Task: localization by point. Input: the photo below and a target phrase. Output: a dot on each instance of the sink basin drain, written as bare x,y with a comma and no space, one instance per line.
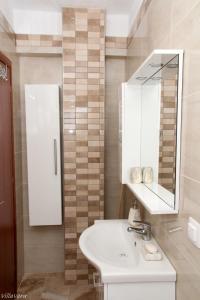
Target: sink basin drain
123,255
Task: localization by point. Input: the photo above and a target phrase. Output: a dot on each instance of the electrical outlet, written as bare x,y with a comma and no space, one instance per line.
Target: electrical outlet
194,231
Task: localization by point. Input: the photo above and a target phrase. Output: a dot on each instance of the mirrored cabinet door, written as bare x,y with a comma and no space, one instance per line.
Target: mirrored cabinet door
159,95
151,130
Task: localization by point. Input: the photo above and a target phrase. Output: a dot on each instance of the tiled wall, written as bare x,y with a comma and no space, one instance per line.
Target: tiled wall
116,46
7,46
175,25
137,47
39,240
167,149
35,43
83,112
138,20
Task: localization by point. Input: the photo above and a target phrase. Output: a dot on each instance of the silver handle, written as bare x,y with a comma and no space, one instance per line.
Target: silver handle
55,157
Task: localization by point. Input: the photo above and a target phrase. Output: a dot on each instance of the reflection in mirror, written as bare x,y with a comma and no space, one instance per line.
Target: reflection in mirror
159,130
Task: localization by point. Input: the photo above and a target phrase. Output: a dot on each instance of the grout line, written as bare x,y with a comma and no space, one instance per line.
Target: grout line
190,178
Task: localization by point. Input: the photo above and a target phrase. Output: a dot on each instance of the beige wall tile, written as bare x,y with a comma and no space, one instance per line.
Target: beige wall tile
190,137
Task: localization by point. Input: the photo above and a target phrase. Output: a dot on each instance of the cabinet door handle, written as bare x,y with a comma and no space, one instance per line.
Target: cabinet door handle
55,157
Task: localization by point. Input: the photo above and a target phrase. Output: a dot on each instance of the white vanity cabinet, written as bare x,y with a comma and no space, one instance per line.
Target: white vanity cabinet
135,290
140,291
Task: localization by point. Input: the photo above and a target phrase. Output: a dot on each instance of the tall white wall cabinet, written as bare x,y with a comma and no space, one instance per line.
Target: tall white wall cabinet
43,154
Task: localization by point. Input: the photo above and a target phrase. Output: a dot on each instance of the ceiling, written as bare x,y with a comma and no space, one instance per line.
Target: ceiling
111,6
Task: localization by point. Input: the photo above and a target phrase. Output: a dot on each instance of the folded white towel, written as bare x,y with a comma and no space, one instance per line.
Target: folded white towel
136,175
147,175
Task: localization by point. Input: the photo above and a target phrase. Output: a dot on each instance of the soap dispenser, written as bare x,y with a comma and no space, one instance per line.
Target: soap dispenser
134,214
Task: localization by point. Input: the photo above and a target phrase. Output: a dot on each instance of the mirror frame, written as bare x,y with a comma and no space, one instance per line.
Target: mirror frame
131,93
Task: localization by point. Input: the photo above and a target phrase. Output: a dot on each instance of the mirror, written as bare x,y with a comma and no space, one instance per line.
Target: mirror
150,132
159,111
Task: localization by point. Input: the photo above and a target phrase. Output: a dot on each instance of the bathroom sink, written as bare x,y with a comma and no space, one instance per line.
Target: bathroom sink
117,254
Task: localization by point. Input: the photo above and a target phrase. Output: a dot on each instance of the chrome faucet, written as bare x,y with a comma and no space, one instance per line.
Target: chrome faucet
143,228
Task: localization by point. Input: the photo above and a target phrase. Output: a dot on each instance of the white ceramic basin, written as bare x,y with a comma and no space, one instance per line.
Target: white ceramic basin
117,254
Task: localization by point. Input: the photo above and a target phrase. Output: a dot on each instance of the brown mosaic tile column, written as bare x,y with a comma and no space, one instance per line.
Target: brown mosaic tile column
83,111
